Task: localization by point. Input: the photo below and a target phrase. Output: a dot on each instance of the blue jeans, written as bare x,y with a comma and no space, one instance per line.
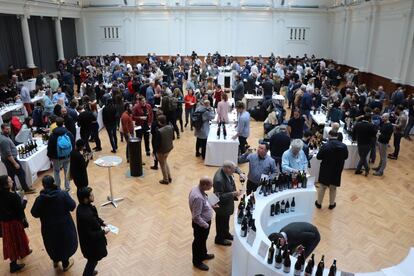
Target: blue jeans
57,165
189,112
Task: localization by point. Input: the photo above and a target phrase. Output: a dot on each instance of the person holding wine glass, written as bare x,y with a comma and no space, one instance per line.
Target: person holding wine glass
225,189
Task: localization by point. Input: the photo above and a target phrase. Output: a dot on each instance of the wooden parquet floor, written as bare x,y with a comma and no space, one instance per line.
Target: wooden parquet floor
371,228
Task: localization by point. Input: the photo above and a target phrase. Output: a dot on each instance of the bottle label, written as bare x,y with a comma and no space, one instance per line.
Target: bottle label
292,209
278,265
286,269
297,272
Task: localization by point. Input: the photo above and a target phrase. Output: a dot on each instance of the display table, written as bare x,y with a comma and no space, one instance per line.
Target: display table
318,118
246,259
220,150
100,123
37,162
36,99
29,84
252,100
10,108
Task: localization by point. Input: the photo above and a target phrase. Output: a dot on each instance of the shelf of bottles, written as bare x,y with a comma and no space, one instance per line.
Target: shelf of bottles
28,149
279,200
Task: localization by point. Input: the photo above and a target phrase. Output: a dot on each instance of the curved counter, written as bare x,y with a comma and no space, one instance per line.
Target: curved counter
247,261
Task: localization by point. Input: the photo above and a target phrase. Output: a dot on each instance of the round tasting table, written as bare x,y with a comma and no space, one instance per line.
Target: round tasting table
109,162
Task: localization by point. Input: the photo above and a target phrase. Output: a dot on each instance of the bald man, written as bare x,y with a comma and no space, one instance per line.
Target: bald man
201,212
335,127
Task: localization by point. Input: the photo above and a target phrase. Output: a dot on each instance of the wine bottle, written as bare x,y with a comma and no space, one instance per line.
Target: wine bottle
272,210
240,214
292,205
253,227
298,267
332,270
282,207
244,228
243,200
253,199
309,267
277,208
300,180
321,266
302,262
270,253
286,263
305,181
273,185
287,206
279,259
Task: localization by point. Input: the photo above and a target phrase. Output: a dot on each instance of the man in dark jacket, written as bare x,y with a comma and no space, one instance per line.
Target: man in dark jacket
384,138
69,122
60,157
298,235
333,155
364,133
267,86
279,143
92,230
53,207
78,165
238,91
225,189
109,119
85,121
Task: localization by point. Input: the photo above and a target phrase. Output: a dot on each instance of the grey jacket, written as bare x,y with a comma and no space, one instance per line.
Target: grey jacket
223,187
238,91
208,115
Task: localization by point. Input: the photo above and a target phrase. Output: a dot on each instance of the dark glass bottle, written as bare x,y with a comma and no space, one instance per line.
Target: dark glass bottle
287,206
272,210
286,263
305,181
277,208
293,205
240,213
244,228
282,207
270,253
309,267
279,258
298,267
332,270
321,266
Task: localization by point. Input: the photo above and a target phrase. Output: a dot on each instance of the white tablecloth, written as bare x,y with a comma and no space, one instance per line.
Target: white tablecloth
10,108
29,84
220,150
318,118
252,100
245,258
33,164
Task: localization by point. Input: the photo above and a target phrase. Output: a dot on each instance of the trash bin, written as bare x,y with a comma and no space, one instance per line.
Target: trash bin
135,156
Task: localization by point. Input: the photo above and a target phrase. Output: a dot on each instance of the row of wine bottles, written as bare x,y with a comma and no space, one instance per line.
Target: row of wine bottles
282,181
282,261
282,207
27,150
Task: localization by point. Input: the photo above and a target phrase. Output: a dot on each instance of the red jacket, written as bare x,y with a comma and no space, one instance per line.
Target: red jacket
127,123
130,87
139,111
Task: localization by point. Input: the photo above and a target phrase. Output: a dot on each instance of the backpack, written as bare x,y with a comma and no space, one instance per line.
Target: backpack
64,146
172,104
197,119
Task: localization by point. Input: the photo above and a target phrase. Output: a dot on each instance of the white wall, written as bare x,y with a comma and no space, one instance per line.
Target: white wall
376,37
235,31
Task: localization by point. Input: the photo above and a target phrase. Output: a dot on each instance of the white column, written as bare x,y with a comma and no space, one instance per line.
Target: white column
26,42
59,41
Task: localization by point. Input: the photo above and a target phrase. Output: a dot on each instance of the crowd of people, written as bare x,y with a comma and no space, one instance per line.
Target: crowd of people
153,96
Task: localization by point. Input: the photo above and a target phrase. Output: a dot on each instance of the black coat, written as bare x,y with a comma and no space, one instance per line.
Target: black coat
300,233
52,143
53,207
224,187
91,236
333,155
78,169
